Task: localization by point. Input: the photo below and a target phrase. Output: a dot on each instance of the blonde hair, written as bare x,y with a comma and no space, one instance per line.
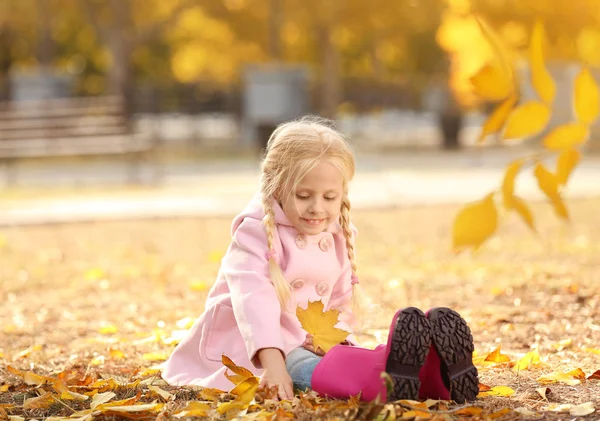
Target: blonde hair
293,149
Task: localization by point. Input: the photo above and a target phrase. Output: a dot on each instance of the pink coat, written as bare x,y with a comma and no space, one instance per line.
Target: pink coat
242,313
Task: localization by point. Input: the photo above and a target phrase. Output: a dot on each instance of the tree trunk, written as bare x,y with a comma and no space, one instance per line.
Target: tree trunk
120,74
331,86
46,47
6,62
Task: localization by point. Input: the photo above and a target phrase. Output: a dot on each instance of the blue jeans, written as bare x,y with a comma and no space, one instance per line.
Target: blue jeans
301,363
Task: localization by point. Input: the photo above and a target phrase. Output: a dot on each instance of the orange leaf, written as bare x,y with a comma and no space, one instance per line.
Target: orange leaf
595,375
497,357
242,373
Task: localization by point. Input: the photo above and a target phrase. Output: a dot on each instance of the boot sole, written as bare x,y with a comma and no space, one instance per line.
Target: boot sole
453,342
411,340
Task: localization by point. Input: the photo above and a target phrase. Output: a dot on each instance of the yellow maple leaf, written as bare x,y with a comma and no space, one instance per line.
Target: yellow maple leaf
497,357
240,375
497,391
530,359
321,324
571,378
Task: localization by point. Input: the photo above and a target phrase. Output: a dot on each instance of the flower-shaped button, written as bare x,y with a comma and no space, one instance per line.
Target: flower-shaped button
301,241
324,244
322,288
297,283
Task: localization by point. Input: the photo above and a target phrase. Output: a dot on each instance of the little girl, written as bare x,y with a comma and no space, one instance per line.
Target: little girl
294,243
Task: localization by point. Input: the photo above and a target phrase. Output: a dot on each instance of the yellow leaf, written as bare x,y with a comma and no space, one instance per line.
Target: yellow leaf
321,324
4,388
549,185
241,388
527,120
154,356
497,357
472,410
571,378
540,77
208,394
504,391
523,210
496,120
215,256
193,409
475,223
94,274
108,329
199,286
508,183
162,393
566,136
65,393
115,354
26,352
491,83
240,403
148,407
567,161
585,97
41,402
499,414
101,398
494,40
241,373
528,360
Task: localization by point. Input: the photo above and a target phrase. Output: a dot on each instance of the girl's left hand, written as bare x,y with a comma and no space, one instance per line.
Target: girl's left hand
308,344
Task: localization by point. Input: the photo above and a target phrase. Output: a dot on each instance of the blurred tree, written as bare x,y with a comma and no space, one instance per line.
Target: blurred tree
124,25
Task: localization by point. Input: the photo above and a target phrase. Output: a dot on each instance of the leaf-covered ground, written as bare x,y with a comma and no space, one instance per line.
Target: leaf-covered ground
96,307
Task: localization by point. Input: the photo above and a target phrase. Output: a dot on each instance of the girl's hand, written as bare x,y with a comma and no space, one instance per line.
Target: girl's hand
308,345
280,378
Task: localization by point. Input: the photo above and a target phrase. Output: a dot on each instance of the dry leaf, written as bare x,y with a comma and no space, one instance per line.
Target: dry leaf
40,402
527,120
101,398
585,97
498,391
583,409
115,354
241,373
540,77
497,357
492,83
525,411
595,375
474,224
566,136
499,414
571,378
471,411
543,392
567,161
162,393
154,356
528,360
193,409
321,324
144,407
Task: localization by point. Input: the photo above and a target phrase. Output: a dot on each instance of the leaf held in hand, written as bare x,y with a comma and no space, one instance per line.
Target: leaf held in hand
321,324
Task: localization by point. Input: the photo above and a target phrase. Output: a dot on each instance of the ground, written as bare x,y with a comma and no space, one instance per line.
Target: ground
110,299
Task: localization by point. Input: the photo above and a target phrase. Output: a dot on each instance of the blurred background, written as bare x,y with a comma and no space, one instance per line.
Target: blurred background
158,81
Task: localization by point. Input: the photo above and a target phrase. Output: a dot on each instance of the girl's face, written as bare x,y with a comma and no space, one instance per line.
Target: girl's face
317,201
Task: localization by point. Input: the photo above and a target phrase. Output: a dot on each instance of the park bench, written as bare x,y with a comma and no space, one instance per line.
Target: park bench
72,127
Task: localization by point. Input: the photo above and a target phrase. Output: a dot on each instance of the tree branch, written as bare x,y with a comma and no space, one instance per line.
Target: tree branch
152,30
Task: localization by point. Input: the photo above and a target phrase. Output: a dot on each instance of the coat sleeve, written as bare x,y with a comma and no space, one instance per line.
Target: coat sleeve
255,304
341,296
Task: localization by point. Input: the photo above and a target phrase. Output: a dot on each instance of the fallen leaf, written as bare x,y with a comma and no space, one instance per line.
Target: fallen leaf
595,375
504,391
500,413
209,394
543,392
321,324
497,357
530,359
101,398
241,373
25,353
147,407
115,354
162,393
582,410
199,286
108,329
571,378
483,387
525,411
472,410
40,402
193,409
154,356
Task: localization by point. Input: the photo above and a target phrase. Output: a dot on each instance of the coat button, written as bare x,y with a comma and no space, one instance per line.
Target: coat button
297,283
301,241
324,244
322,288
